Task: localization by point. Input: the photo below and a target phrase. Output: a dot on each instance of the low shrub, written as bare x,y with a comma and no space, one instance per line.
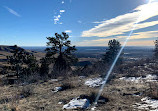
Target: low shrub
92,97
66,86
26,92
153,91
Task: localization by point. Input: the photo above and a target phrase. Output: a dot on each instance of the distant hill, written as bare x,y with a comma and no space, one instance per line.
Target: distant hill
8,48
6,51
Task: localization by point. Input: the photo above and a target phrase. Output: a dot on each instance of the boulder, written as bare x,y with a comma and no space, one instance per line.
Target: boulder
77,103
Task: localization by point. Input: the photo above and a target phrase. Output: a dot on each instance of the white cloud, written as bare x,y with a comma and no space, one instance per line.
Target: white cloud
98,42
79,21
135,37
142,35
12,11
59,16
62,2
98,22
124,23
56,19
62,11
68,31
141,43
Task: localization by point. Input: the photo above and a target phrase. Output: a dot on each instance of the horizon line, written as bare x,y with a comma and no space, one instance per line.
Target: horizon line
82,46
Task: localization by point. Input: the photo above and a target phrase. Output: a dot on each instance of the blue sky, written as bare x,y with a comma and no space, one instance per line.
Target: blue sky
88,22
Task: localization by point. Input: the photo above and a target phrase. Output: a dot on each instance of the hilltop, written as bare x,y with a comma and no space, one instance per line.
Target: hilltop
6,51
9,48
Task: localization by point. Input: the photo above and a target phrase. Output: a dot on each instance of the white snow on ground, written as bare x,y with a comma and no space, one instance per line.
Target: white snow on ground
151,77
54,80
131,79
82,77
60,102
147,104
93,108
148,78
94,82
77,104
56,89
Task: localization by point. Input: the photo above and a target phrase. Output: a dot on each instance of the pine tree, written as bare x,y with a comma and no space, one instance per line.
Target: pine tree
16,60
22,62
60,50
31,63
112,51
44,69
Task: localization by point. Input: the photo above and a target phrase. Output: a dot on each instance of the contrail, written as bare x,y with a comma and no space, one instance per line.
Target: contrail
115,60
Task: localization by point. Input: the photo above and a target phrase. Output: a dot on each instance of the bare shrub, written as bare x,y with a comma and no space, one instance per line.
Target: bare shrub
66,86
26,92
6,108
153,91
5,100
92,96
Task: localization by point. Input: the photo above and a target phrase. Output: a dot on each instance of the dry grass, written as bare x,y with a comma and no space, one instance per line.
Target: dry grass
43,99
40,97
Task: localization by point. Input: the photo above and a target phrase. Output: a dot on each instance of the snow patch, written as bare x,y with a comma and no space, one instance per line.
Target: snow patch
77,104
94,82
82,77
147,104
148,78
54,80
56,89
131,79
151,77
60,102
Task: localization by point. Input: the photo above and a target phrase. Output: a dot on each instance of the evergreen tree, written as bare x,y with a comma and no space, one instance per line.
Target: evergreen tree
60,50
22,62
16,60
44,69
31,63
112,51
